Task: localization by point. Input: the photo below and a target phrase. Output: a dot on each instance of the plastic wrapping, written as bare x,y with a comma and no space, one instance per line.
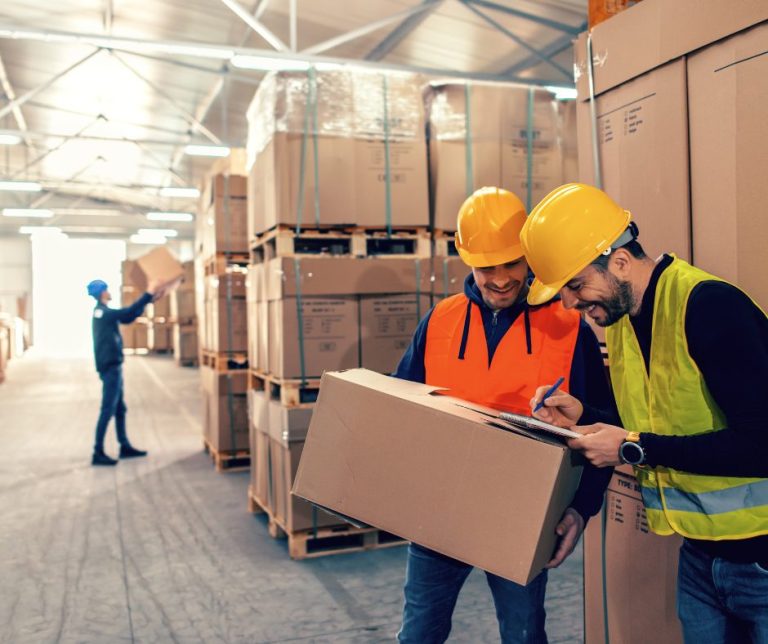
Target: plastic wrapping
358,103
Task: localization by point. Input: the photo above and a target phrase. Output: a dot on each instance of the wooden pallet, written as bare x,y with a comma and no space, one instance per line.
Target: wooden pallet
219,263
443,243
290,392
224,361
323,542
229,461
349,241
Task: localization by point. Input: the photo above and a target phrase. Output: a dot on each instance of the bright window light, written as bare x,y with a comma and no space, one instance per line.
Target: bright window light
46,230
563,93
20,186
207,150
165,232
41,213
148,239
171,191
9,139
267,63
170,216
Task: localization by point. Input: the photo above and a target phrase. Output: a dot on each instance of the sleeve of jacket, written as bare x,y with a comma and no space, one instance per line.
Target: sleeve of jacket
128,314
589,383
411,365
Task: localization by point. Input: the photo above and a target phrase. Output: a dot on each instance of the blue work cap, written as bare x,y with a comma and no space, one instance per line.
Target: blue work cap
96,288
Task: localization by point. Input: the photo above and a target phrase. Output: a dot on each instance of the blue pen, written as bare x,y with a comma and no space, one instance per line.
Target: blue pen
550,391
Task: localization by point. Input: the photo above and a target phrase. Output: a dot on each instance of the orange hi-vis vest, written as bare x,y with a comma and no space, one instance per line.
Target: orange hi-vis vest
536,350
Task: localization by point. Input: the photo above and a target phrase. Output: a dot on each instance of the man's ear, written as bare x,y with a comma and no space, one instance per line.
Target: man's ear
620,263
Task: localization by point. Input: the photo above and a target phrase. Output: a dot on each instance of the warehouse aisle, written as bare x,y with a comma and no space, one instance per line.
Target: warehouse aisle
162,549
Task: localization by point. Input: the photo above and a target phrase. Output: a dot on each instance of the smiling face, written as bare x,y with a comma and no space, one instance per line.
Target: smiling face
600,294
501,285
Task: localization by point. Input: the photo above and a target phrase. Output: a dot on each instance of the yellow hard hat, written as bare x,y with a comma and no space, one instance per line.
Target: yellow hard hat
488,228
572,226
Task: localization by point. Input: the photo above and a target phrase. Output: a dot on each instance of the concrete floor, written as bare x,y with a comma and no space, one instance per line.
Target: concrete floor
162,549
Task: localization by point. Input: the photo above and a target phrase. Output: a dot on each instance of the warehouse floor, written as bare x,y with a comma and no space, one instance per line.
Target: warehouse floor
162,549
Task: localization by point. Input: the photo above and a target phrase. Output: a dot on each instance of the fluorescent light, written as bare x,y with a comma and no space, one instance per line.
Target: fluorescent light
9,139
41,213
563,93
170,216
148,239
165,232
207,150
20,186
171,191
268,63
48,230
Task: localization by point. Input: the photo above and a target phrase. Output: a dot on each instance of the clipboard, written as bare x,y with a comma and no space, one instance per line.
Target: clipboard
536,425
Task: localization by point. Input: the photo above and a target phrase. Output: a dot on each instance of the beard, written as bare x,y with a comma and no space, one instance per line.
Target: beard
619,303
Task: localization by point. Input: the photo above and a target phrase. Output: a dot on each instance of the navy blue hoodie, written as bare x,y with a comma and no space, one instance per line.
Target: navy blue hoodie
107,341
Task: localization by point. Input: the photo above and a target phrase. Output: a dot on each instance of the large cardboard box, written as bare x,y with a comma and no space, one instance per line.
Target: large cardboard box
141,334
188,281
158,265
160,336
728,96
127,268
225,409
337,147
258,318
478,135
185,346
258,417
183,305
437,471
128,295
127,332
448,275
630,567
226,324
160,309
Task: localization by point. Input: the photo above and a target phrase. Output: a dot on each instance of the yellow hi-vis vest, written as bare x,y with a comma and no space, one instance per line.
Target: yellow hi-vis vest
672,398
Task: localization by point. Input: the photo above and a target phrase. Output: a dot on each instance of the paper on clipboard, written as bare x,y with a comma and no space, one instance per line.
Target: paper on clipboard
534,424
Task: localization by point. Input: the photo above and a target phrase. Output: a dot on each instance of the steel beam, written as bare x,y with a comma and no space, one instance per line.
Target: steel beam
254,24
402,31
550,51
19,101
214,71
341,39
18,116
499,27
547,22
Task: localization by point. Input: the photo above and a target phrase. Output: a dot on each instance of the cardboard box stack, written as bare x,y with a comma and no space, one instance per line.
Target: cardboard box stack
218,276
136,335
184,319
160,327
681,141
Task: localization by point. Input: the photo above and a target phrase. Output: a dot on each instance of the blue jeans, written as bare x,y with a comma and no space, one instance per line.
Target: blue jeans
432,586
720,602
112,404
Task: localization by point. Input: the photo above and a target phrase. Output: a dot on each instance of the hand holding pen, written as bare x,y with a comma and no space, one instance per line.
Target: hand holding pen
556,407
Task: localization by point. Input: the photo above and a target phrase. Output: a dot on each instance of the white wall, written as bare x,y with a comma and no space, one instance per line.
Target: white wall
15,273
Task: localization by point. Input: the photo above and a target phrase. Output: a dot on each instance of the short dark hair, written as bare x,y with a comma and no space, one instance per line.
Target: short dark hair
634,248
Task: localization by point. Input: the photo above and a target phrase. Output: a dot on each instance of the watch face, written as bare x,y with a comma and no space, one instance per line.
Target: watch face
631,453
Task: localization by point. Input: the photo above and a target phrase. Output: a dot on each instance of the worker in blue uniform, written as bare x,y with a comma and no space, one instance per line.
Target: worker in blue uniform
108,351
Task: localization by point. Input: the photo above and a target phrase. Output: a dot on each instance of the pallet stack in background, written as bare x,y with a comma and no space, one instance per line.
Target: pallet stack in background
136,335
221,249
679,132
184,320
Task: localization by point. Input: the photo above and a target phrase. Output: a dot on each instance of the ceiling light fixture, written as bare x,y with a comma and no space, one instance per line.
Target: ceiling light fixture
20,186
267,63
171,191
40,213
165,232
170,216
148,239
9,139
206,150
32,230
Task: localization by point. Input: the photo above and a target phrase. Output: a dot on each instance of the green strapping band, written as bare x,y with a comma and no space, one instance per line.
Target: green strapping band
311,107
300,320
468,166
529,160
387,170
313,93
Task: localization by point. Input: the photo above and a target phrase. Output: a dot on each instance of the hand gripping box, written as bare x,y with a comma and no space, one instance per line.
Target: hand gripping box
438,471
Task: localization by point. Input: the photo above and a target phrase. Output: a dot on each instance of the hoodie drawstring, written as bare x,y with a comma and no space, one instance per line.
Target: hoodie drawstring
527,317
465,334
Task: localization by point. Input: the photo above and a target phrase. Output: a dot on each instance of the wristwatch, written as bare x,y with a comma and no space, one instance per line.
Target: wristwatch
631,451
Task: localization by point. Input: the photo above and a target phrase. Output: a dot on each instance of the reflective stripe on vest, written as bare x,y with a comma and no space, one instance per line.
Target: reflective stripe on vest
672,398
456,355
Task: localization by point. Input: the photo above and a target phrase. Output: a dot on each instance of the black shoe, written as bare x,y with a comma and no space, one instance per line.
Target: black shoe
129,451
100,458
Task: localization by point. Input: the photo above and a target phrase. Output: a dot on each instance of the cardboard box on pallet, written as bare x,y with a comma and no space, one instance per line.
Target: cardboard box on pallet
448,274
359,160
225,431
258,418
623,560
226,324
381,450
257,316
127,268
140,334
185,346
160,309
160,336
183,305
728,94
127,333
326,296
128,295
478,134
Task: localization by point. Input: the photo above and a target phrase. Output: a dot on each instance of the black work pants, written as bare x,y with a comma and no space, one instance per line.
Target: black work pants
112,404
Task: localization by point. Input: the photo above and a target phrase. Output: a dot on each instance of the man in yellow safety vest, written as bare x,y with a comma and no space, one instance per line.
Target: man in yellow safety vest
689,367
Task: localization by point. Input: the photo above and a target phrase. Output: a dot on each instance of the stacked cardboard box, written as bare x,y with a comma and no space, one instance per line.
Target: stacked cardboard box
184,319
490,134
225,410
337,148
680,135
136,336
